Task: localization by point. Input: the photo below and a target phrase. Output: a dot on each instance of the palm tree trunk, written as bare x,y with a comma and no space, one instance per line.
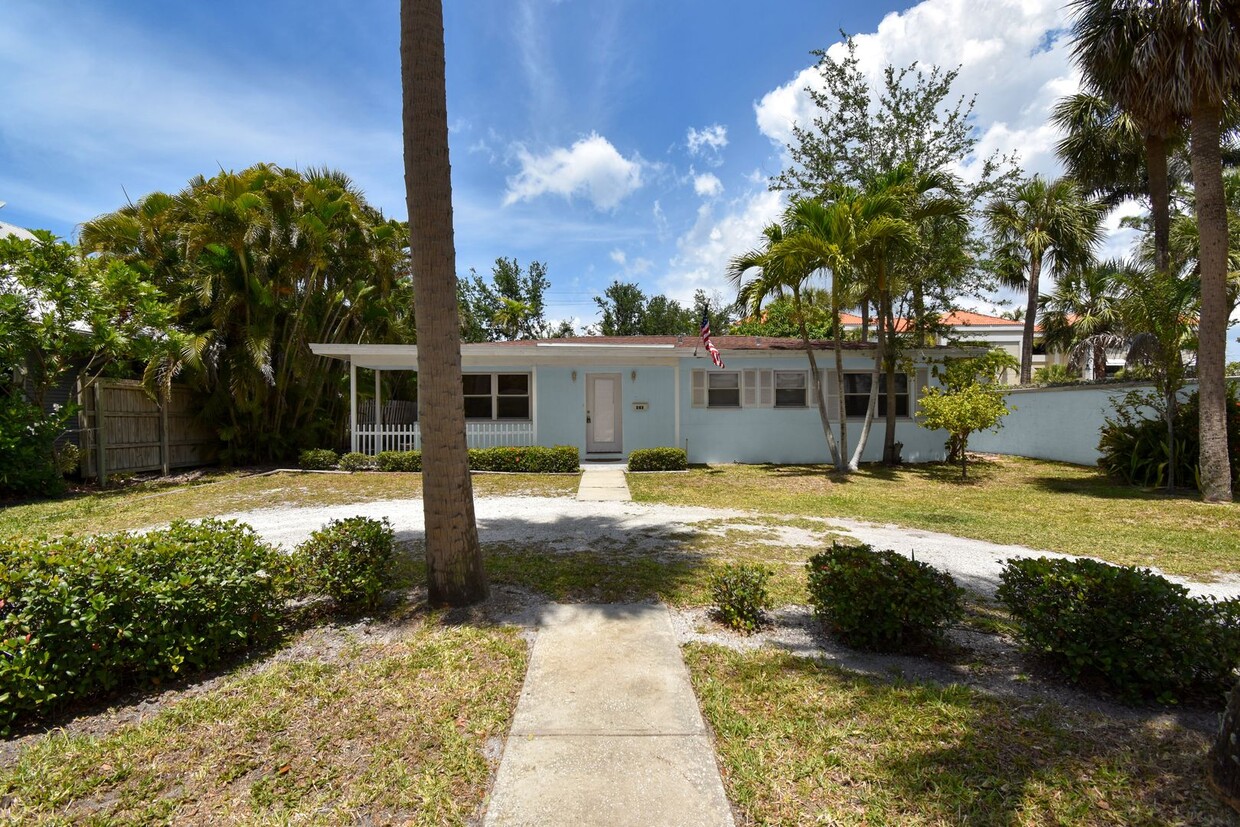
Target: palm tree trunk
889,366
840,465
1031,311
454,567
1170,405
1212,332
813,368
1160,199
870,407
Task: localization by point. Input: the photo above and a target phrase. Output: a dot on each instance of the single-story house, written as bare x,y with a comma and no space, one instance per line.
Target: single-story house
611,395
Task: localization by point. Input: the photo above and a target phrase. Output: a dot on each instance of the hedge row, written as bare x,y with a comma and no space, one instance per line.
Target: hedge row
87,616
658,459
534,459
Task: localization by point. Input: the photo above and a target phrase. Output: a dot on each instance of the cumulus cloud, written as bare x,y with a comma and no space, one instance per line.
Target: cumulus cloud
591,167
703,253
707,185
708,143
1010,52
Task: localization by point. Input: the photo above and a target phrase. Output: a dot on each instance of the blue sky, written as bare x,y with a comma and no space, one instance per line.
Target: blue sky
627,139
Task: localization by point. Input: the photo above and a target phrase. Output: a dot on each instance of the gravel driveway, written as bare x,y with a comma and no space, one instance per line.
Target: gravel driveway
566,525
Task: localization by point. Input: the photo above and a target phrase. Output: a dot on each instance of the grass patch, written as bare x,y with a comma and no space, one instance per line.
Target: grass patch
800,742
390,732
1044,505
155,503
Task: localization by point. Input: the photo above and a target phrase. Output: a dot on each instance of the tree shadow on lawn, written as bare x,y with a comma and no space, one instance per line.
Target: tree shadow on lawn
951,755
595,558
1105,489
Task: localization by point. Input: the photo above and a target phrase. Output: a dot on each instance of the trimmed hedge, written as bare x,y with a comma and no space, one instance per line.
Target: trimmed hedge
399,461
658,459
349,559
562,459
356,461
317,459
533,459
1138,634
89,616
882,600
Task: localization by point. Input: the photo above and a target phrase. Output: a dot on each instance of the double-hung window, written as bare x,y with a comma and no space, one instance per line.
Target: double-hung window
857,394
490,396
791,388
723,389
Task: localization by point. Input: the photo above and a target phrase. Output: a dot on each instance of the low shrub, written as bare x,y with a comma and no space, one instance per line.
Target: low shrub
409,461
658,459
1137,634
882,600
356,461
317,459
89,616
740,595
532,459
1134,447
349,559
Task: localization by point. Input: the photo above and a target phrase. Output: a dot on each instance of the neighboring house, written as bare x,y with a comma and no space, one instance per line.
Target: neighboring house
990,331
610,395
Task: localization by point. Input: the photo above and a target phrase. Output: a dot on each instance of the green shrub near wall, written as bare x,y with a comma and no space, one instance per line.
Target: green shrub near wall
1138,634
658,459
90,616
882,600
317,459
534,459
356,461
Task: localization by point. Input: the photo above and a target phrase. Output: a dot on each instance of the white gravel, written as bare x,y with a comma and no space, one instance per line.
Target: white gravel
567,525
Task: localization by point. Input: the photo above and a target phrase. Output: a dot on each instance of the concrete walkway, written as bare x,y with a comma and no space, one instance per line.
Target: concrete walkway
604,483
607,731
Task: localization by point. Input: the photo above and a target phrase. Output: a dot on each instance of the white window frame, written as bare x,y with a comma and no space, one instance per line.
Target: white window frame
495,395
878,412
805,389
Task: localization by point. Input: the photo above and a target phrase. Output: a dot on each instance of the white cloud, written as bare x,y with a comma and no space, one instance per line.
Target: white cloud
708,143
707,185
703,253
618,256
1010,52
591,167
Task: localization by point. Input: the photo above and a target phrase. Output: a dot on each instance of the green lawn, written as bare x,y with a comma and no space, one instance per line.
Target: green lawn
803,743
1044,505
406,728
150,504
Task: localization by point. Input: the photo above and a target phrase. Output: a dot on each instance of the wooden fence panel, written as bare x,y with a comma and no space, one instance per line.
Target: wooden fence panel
134,434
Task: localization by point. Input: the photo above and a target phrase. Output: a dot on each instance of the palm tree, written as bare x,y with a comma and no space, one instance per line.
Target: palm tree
1082,316
779,275
1042,219
454,567
1166,61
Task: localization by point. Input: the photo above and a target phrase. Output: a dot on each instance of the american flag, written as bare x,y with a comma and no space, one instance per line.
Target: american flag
710,346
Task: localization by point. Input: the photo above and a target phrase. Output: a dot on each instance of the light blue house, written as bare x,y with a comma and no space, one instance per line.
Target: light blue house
611,395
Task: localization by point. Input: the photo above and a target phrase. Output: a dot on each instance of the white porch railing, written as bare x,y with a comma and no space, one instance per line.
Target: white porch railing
409,437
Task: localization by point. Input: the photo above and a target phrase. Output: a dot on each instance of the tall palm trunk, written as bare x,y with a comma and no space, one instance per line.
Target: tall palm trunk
1212,332
817,379
890,456
1160,198
454,571
1031,311
839,376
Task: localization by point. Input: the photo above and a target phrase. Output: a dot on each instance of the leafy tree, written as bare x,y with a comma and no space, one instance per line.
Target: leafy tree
562,330
511,306
623,307
454,568
1165,62
777,320
976,406
1043,222
1082,316
256,265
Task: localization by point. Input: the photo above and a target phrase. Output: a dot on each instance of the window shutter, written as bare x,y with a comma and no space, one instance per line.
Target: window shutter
766,388
749,388
699,388
922,381
832,394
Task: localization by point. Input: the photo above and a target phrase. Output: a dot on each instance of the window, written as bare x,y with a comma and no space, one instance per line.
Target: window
496,395
790,388
723,389
857,395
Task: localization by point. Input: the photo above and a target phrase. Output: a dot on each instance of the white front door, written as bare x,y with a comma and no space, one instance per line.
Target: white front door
603,413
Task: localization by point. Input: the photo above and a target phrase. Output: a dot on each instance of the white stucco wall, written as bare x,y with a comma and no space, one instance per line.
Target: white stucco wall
1061,424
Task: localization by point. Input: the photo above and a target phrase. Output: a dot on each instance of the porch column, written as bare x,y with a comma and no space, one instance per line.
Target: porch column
378,414
534,404
676,402
352,405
